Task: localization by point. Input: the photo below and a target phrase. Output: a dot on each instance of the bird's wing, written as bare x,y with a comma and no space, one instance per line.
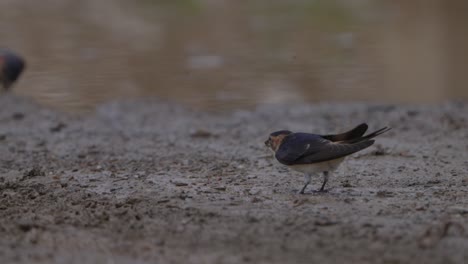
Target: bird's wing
352,134
296,145
333,151
302,148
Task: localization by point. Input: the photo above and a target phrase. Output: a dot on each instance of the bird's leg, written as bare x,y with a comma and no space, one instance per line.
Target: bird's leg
307,178
325,180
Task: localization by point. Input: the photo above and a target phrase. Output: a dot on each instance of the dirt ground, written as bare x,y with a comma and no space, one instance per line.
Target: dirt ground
146,181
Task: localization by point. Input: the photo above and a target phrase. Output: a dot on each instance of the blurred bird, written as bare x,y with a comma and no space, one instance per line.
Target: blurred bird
11,67
312,154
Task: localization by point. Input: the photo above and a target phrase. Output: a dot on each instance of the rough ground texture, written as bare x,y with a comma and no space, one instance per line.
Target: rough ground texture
152,182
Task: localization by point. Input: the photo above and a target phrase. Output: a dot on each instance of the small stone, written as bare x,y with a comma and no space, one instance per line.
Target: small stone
17,116
201,133
256,200
384,194
179,183
34,172
325,222
58,127
346,184
420,208
26,226
412,113
433,182
254,191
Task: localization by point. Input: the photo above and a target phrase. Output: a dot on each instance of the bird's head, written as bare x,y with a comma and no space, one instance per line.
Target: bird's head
11,67
276,138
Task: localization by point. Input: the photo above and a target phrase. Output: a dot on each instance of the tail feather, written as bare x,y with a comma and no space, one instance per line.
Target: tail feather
354,133
370,136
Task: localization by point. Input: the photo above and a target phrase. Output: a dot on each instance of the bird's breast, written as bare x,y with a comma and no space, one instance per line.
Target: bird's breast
329,165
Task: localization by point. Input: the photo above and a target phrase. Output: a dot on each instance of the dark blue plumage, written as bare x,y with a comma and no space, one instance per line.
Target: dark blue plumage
303,148
11,67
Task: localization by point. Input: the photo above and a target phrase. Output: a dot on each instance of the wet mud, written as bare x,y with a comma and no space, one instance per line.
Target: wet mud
146,181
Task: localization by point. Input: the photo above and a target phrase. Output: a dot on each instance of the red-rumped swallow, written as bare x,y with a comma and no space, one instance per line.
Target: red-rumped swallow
312,154
11,67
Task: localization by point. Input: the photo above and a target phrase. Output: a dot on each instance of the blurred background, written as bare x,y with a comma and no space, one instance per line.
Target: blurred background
220,55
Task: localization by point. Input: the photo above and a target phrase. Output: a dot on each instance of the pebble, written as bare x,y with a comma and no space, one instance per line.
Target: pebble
179,183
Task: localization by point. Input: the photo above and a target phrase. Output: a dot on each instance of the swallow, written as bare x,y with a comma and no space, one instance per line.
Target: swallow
11,67
312,154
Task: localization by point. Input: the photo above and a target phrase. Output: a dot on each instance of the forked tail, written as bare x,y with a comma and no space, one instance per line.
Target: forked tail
370,136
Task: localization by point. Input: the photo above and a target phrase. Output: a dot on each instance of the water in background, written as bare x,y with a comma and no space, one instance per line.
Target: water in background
221,55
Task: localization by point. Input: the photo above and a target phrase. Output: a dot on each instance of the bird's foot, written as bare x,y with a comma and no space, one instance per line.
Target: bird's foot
320,191
297,191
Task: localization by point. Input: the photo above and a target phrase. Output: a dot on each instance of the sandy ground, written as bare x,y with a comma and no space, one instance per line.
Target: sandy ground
152,182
